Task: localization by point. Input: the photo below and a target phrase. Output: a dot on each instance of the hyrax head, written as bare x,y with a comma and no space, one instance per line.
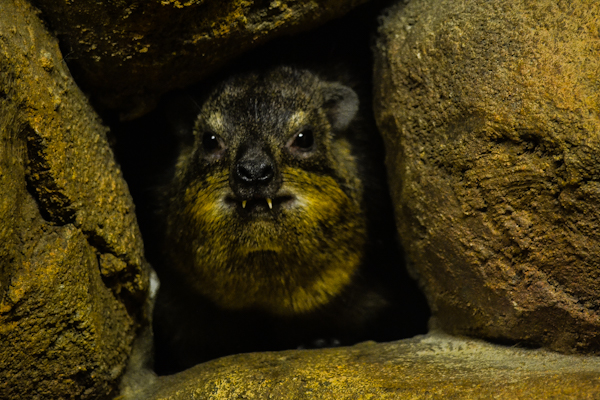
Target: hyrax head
265,210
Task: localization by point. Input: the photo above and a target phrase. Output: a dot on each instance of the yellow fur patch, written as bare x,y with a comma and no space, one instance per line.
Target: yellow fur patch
288,262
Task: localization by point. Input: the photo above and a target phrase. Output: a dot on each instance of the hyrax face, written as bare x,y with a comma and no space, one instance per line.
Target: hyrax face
265,207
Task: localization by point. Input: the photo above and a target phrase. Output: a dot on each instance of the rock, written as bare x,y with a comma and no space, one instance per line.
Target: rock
73,279
129,53
490,113
424,367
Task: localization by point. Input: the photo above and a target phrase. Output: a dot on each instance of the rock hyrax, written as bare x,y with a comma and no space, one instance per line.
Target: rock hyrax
266,222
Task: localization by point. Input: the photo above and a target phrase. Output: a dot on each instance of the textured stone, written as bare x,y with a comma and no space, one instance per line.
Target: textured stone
425,367
73,279
490,112
129,53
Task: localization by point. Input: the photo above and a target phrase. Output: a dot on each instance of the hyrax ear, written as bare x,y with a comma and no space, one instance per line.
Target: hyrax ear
341,104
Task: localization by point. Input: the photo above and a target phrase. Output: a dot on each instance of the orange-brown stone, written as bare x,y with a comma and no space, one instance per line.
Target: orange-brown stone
490,112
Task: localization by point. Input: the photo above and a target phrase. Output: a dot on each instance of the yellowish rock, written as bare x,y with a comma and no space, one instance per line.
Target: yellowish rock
434,366
129,53
490,115
73,279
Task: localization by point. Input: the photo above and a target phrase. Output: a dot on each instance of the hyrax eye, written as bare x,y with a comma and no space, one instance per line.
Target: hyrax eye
304,141
212,143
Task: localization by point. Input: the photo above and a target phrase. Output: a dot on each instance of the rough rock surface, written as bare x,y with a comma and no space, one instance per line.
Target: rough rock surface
73,280
491,115
426,367
129,53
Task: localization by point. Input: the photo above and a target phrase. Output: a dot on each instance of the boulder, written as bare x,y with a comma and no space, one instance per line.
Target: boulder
73,279
433,366
126,54
491,116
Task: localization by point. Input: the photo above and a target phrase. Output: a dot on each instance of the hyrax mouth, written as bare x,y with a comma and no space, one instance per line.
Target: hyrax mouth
260,204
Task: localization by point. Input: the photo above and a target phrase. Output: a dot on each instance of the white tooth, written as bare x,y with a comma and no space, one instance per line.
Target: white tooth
244,203
270,203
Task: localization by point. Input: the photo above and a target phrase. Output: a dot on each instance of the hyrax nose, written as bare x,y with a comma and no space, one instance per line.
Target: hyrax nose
255,171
